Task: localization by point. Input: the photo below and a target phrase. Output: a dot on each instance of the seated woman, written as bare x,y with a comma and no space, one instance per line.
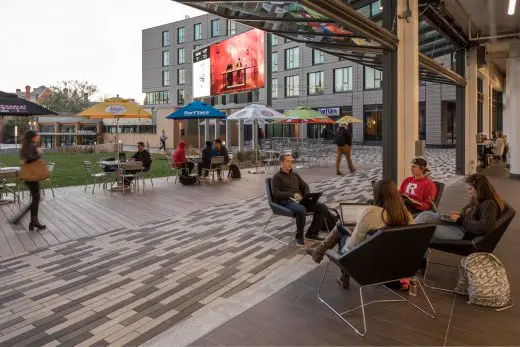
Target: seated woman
179,160
477,218
388,210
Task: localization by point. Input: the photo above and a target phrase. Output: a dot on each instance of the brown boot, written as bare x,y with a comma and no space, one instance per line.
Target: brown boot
331,241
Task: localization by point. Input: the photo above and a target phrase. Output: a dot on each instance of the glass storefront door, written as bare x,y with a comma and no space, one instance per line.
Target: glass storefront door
373,123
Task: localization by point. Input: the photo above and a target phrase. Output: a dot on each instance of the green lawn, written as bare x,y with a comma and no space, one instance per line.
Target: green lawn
69,170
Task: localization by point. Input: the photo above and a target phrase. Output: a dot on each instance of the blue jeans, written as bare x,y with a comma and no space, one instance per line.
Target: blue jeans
445,230
300,213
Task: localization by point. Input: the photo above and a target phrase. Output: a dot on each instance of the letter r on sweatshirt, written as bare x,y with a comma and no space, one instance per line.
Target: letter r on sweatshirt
410,189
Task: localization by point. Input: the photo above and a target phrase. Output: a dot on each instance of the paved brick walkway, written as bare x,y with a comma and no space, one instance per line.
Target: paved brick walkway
134,282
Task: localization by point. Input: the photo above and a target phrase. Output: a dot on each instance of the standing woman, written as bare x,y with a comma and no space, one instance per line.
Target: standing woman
29,155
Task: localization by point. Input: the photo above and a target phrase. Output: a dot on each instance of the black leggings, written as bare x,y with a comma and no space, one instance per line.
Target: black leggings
34,188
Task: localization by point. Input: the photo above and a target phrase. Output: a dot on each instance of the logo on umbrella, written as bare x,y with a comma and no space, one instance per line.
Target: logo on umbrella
115,109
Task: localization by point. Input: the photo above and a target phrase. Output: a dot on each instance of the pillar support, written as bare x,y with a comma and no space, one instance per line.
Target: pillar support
400,89
471,113
460,109
513,108
486,114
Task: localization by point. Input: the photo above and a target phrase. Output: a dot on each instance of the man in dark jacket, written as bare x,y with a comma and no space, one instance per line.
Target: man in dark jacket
344,143
288,189
221,151
143,155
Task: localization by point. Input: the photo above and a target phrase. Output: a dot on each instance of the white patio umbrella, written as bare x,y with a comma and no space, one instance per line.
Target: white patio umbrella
255,113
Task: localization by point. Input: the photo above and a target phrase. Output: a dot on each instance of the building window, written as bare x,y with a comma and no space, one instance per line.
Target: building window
215,28
157,98
232,27
373,78
181,38
165,38
166,78
343,80
275,88
197,31
373,122
292,86
181,56
318,57
196,47
315,83
166,58
275,61
274,41
292,58
181,76
180,97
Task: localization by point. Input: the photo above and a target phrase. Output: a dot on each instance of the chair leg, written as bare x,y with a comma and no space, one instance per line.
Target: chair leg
94,185
428,262
363,304
52,190
270,236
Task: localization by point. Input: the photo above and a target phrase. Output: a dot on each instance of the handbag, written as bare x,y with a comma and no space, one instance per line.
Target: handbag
35,171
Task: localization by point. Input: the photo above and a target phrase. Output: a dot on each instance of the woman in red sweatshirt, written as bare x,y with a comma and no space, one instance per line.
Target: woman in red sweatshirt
418,190
179,158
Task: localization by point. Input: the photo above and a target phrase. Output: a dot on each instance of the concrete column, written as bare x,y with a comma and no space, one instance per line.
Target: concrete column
513,108
57,129
471,113
228,134
206,131
407,86
241,136
486,104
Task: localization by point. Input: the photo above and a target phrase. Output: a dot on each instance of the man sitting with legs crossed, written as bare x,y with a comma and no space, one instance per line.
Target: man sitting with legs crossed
288,185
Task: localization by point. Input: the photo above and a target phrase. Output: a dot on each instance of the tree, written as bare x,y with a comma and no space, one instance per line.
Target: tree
70,96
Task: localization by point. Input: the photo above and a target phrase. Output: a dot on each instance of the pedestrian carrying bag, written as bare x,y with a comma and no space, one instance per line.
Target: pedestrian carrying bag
234,171
484,279
35,171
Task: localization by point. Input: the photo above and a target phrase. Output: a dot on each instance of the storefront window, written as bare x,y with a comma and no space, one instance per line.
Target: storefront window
47,140
373,119
67,140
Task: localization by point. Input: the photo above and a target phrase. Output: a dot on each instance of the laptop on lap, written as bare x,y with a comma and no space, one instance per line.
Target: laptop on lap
309,199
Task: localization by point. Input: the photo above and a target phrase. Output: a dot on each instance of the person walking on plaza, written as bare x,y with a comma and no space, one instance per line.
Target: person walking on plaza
288,189
163,141
344,143
30,155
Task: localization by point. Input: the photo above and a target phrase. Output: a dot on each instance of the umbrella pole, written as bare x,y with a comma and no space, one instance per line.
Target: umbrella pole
255,148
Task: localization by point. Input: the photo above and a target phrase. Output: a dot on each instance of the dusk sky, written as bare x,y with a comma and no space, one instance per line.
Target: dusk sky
99,41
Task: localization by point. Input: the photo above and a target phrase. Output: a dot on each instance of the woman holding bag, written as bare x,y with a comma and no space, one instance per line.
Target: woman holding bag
34,170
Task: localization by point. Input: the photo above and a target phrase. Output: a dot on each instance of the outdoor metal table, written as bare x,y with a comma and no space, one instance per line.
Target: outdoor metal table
118,178
5,173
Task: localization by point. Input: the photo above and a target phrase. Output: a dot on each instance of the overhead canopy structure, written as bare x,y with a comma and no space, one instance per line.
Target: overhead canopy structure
349,29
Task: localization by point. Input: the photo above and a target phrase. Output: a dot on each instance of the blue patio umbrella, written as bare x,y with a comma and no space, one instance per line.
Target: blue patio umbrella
197,110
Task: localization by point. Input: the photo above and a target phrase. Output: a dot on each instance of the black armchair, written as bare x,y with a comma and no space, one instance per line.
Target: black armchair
440,189
389,255
278,210
469,244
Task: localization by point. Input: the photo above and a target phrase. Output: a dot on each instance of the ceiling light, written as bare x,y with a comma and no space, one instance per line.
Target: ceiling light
511,9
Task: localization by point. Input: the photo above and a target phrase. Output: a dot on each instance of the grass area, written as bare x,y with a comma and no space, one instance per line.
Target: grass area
70,171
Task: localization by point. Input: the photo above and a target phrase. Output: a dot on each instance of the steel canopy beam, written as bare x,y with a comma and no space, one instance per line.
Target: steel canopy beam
435,67
345,15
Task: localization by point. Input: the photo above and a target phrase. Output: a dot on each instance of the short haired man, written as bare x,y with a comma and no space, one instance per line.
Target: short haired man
419,187
143,156
287,185
221,151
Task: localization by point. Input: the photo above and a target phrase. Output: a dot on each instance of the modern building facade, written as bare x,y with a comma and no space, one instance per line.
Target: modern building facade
301,76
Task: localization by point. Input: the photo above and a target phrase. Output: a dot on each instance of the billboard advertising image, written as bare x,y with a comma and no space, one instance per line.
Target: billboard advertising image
201,73
237,63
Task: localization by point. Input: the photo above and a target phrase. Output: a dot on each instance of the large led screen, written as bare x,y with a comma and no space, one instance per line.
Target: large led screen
237,63
201,73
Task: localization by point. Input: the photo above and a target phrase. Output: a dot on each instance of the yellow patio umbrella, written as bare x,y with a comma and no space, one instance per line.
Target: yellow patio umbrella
348,119
116,108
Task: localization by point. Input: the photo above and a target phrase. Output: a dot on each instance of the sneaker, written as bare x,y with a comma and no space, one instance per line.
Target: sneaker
314,237
300,242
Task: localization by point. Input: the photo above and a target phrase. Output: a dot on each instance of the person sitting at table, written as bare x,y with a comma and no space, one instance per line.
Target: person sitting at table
418,190
288,189
388,210
179,160
207,154
477,218
143,156
221,151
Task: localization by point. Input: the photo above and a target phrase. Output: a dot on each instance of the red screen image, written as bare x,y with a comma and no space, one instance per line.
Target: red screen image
237,64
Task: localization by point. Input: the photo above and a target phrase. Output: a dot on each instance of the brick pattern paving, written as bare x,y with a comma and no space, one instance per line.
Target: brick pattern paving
130,284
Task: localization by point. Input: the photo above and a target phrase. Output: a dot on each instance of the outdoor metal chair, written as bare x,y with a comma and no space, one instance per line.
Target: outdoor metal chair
92,176
49,181
216,164
144,175
9,183
389,255
133,170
